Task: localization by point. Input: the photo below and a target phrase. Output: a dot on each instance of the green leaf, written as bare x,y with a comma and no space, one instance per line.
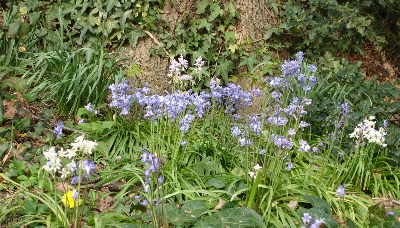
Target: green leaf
109,26
218,183
194,208
201,6
13,28
22,178
230,8
176,216
377,215
215,12
134,35
233,217
82,111
223,68
24,29
350,223
203,23
249,62
30,207
112,3
317,202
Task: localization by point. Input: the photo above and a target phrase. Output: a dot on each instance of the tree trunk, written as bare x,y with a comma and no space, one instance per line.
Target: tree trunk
255,16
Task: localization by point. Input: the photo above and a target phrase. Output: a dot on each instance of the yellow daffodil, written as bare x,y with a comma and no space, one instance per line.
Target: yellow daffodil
71,199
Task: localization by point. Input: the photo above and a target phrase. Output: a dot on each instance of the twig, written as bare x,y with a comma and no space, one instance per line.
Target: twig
156,41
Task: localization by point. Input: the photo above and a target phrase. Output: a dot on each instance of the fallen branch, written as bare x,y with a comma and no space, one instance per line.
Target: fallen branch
156,41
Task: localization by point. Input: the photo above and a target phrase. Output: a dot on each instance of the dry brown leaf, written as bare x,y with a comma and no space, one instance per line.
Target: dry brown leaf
292,204
63,187
10,112
105,204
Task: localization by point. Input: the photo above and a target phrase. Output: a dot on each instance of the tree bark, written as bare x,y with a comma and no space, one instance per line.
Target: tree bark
255,16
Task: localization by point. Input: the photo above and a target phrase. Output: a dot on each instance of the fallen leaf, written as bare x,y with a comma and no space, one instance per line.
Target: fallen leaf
10,112
63,187
105,204
292,204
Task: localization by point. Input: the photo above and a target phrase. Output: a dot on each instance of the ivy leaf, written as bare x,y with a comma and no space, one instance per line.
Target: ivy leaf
223,68
230,8
134,35
109,26
194,208
215,12
201,6
203,23
269,31
232,47
112,3
249,62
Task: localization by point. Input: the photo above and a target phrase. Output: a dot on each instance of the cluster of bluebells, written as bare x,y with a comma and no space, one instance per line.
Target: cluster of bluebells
292,71
281,114
281,141
153,167
366,130
153,170
188,104
309,222
79,147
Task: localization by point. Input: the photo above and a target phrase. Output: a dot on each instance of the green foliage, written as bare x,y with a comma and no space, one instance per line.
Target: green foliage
75,78
318,26
320,209
192,212
379,218
42,59
343,81
84,22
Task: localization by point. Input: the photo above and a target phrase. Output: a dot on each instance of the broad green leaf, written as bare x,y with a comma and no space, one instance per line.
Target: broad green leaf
203,23
194,208
218,183
201,6
249,62
233,217
112,3
176,216
223,68
215,12
13,28
109,26
230,8
318,202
